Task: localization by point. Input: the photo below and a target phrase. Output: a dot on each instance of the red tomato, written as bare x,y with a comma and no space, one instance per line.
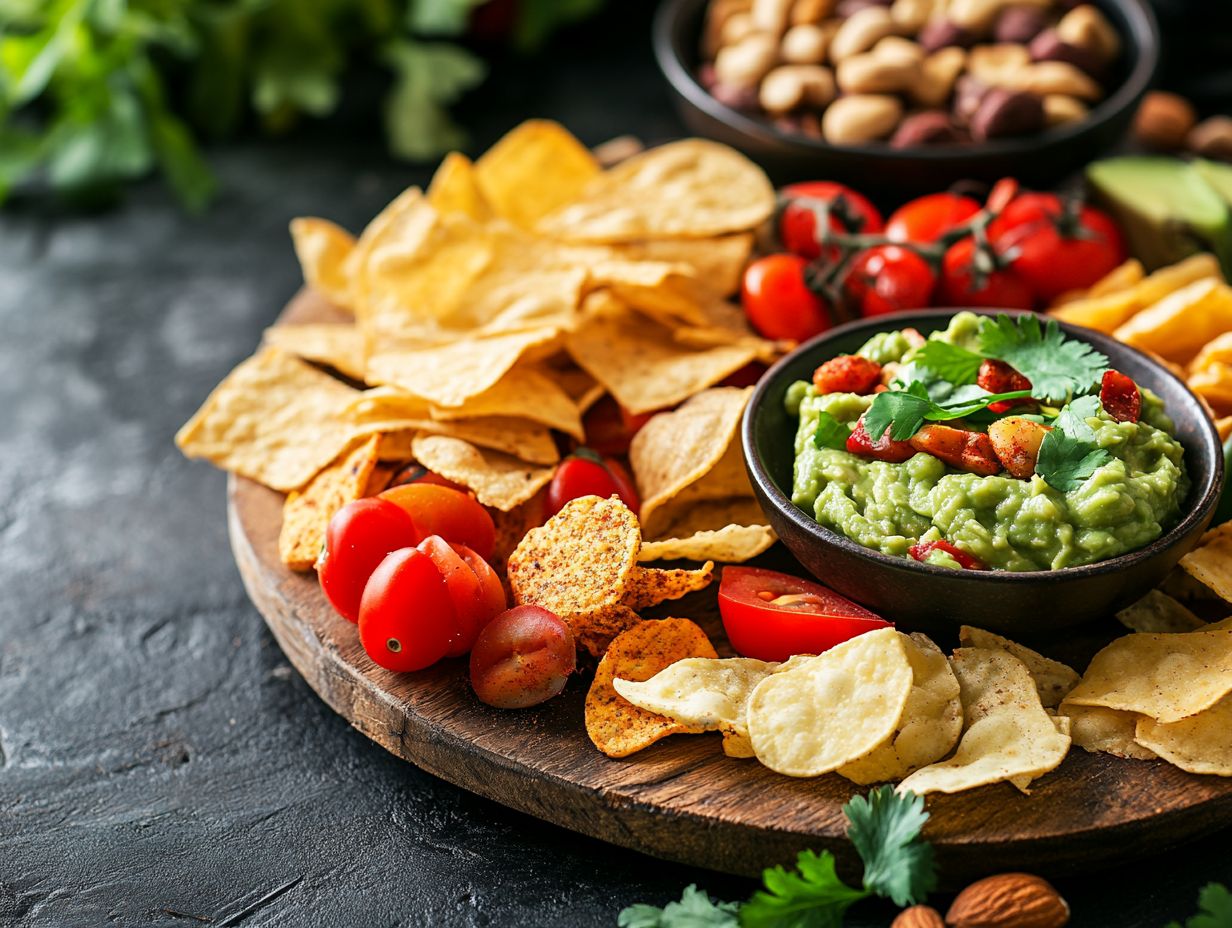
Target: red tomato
929,217
417,473
848,373
359,536
452,514
1002,192
779,303
1120,397
489,583
522,658
963,285
472,609
1057,246
999,377
406,618
609,427
888,279
849,212
585,473
884,448
771,616
967,561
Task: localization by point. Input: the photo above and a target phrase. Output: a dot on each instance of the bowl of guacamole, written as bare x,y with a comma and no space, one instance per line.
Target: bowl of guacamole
994,469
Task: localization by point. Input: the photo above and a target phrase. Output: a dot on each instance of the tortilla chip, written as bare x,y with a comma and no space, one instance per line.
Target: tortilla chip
617,727
1214,384
1182,322
731,544
1120,278
1107,311
455,189
1199,744
338,346
689,189
1108,731
323,249
717,263
526,392
649,586
306,513
1052,678
497,480
536,168
1223,425
380,477
274,419
1211,562
668,292
1217,351
1159,613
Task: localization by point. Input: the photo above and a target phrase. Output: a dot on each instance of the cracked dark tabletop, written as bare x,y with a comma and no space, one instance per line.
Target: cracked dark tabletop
160,761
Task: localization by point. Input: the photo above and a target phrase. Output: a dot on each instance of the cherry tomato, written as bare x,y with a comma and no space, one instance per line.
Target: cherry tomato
964,286
406,617
849,212
471,605
1002,192
417,473
884,448
999,377
888,279
452,514
1120,397
771,616
848,373
585,473
609,427
359,536
966,561
1057,246
489,583
929,217
522,658
779,303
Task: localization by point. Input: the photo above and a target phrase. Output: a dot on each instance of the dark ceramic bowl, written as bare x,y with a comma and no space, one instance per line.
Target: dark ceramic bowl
921,595
886,173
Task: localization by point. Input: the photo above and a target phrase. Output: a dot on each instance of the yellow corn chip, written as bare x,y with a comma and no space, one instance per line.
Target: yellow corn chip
649,586
379,479
306,513
617,727
1214,384
1108,311
526,392
717,263
1109,731
498,480
1217,351
323,249
731,544
1182,322
1211,562
454,188
1052,678
338,346
1159,613
534,169
1122,277
1199,744
1224,427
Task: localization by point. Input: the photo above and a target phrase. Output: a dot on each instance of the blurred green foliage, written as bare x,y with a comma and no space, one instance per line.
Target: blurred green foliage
96,93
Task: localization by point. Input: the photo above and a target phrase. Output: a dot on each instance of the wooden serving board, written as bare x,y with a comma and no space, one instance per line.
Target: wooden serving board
683,799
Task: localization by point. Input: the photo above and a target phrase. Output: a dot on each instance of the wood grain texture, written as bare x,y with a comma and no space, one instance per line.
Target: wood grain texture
683,799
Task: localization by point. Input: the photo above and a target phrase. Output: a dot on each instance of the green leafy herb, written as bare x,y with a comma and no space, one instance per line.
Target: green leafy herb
694,910
1068,455
812,897
903,412
885,828
1058,367
830,432
1214,909
949,362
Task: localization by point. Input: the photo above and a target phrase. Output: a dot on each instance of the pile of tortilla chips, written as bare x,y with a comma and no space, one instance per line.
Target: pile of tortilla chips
1181,314
477,322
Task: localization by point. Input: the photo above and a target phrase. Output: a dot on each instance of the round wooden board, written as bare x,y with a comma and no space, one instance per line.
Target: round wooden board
683,799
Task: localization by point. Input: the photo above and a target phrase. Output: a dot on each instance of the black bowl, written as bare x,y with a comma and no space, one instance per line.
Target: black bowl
885,173
939,599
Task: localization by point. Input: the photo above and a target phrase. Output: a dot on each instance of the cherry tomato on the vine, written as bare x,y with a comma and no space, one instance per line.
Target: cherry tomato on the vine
585,473
849,212
452,514
406,617
359,536
889,279
927,218
778,302
523,657
965,285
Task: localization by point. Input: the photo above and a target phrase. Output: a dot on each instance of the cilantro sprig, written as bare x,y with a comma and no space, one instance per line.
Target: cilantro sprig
949,362
1068,455
885,829
1214,909
1058,367
904,412
830,432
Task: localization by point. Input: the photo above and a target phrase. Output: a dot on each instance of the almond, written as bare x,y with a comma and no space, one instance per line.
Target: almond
1010,900
918,916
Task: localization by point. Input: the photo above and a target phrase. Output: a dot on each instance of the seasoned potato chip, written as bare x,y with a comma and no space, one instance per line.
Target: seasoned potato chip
731,544
1107,311
1182,322
338,346
274,419
717,263
649,586
526,392
931,723
1166,677
1007,735
1211,562
1199,744
454,188
306,513
833,708
535,168
617,727
498,480
1110,731
1158,613
1052,678
323,249
688,189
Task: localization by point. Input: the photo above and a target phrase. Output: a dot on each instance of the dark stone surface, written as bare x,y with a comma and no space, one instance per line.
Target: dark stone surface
160,762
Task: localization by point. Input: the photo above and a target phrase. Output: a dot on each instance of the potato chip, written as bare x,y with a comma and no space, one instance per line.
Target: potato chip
274,419
534,169
498,480
455,189
1199,744
717,263
1052,678
931,723
579,562
1182,322
1108,731
738,744
731,544
526,392
833,708
617,727
1159,613
688,189
1108,311
1007,735
649,586
323,249
1167,677
338,346
1214,384
1211,562
306,513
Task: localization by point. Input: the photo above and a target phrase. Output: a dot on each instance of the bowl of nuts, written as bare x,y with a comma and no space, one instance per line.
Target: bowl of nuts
905,96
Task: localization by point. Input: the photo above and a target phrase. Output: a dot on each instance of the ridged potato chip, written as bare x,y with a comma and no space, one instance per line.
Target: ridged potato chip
616,726
833,708
323,249
497,480
1110,731
1052,678
1201,743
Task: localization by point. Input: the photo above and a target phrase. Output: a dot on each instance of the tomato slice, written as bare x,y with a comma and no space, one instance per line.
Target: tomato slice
771,616
438,510
406,618
966,561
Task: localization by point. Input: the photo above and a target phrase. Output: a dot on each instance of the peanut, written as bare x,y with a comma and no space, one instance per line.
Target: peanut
942,33
1019,24
793,85
911,15
997,65
1088,28
899,51
1060,109
1049,77
738,27
1049,46
810,12
746,63
718,14
1164,120
938,72
1212,138
771,16
1004,112
861,32
868,73
930,127
804,44
860,118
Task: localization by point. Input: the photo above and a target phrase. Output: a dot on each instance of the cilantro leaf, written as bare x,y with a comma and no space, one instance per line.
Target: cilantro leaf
812,898
1068,455
830,432
1214,909
885,829
949,362
1058,367
694,910
903,412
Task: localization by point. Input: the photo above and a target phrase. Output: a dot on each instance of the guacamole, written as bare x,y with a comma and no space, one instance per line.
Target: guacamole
1006,522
